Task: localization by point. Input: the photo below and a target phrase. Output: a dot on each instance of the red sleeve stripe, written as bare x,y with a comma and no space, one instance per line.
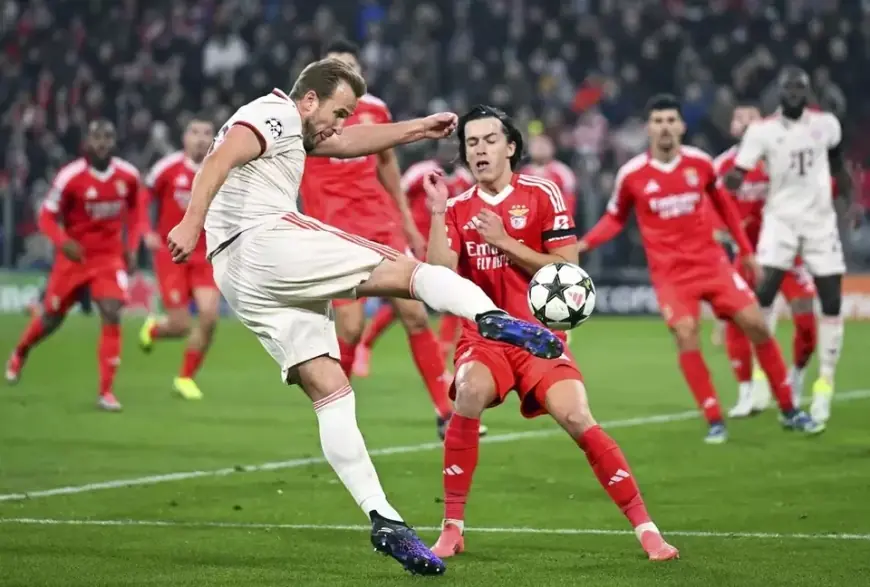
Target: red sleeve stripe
256,132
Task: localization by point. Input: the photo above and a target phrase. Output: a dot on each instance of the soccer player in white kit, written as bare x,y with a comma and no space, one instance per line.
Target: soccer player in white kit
802,149
279,269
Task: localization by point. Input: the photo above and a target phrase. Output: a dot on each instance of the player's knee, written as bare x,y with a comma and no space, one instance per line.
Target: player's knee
751,321
349,322
801,306
414,317
179,322
50,321
473,396
687,335
319,378
568,405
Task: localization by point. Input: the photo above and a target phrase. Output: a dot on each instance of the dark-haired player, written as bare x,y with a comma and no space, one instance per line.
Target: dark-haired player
364,197
168,185
797,287
668,187
802,149
279,270
498,234
84,214
458,179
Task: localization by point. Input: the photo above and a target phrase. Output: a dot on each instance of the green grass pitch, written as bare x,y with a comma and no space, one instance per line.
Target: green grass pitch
767,508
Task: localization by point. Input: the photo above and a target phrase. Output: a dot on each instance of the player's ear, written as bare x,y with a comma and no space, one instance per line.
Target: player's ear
310,101
511,149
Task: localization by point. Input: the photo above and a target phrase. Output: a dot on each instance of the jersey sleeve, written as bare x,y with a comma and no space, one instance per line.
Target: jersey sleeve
274,123
557,228
621,199
832,130
751,149
454,239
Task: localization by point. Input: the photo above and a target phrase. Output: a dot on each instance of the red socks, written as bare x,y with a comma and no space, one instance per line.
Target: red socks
609,465
433,370
461,445
805,337
449,330
109,354
348,352
771,361
191,363
698,377
32,335
739,352
377,325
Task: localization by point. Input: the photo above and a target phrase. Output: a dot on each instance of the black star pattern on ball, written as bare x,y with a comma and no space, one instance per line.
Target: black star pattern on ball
556,289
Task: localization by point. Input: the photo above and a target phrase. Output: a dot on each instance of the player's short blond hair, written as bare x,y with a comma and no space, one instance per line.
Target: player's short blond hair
324,76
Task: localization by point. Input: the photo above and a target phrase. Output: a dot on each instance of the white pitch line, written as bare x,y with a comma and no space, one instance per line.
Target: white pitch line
473,530
394,450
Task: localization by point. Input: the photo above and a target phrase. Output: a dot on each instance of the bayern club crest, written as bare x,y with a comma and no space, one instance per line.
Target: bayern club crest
519,216
691,176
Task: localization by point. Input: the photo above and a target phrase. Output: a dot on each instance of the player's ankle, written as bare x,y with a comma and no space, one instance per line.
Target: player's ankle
649,526
460,524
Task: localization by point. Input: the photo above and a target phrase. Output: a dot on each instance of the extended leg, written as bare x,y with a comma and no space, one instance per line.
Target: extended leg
830,289
109,351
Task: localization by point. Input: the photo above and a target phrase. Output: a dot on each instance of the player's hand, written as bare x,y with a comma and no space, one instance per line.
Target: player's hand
72,251
491,228
437,193
582,248
753,268
416,241
152,241
182,240
438,126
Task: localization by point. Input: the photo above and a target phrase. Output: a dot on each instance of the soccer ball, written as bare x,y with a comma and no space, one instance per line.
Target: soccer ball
561,296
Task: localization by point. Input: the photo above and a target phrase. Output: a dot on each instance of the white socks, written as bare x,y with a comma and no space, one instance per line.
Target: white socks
830,345
345,451
444,291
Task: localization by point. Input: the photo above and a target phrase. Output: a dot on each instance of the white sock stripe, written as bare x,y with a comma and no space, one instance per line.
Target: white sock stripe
337,395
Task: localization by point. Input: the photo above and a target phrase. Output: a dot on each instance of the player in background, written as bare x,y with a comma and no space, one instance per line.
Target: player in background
458,179
801,149
279,269
498,234
168,186
670,188
84,216
543,164
797,287
364,196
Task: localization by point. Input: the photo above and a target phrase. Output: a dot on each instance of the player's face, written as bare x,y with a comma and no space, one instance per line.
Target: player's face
794,92
100,144
743,117
197,139
541,149
665,129
322,118
347,58
487,149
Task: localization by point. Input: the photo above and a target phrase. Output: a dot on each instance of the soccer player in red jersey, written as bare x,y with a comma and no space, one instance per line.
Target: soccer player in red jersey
797,286
458,179
84,215
498,234
168,186
544,164
671,187
363,196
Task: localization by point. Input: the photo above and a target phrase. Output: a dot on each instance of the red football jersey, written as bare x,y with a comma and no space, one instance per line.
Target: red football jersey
749,198
349,188
561,175
93,205
412,184
674,216
533,211
169,182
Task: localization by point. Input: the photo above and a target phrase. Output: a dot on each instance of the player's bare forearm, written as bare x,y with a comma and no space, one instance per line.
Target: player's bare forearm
438,251
733,179
530,260
390,177
367,139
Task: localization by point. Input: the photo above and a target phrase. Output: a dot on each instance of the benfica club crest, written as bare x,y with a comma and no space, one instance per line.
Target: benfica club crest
121,188
691,176
519,216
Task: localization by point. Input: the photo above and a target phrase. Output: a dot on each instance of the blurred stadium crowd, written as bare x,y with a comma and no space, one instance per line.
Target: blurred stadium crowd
578,70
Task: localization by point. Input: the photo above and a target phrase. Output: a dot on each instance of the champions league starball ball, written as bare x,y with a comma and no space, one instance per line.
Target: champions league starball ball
561,296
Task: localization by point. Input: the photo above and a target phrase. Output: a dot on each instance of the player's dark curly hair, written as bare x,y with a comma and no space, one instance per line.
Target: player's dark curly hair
511,131
342,46
663,102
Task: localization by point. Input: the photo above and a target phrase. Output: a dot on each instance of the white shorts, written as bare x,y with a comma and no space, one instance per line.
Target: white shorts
279,279
819,245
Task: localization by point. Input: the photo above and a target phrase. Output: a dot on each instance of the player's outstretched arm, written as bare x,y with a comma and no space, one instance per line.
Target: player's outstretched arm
367,139
439,251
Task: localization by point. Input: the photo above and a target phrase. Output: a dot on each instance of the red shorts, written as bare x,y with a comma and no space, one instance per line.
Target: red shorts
515,369
105,276
178,281
724,289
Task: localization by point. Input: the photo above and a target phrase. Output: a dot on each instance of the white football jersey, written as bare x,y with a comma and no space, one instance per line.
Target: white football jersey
795,155
267,187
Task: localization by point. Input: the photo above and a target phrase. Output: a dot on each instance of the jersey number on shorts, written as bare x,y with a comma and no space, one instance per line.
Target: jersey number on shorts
801,161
